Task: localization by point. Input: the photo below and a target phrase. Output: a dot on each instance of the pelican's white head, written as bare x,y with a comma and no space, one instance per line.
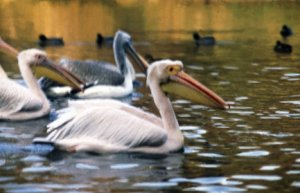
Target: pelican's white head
36,61
161,70
32,57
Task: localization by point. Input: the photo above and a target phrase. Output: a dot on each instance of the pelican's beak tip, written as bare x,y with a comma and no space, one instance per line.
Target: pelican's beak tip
82,87
227,106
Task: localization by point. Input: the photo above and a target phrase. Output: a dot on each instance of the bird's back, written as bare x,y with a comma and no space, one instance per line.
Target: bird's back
91,71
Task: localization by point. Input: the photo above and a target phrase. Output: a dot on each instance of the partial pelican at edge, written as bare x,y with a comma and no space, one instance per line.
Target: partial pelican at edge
21,103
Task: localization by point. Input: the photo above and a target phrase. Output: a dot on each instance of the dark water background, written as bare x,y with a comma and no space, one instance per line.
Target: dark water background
253,147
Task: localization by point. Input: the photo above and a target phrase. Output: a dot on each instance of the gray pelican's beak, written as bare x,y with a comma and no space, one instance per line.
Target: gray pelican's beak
185,86
53,71
137,58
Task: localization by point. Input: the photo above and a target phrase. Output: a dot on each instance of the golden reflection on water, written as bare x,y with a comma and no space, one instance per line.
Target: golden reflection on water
81,20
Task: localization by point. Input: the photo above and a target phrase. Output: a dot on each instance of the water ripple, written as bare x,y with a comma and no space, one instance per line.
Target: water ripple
291,102
296,184
38,188
256,153
257,177
191,149
275,68
241,98
291,76
287,149
124,166
33,158
212,155
263,133
2,162
248,147
209,165
86,166
38,169
269,167
293,172
6,179
253,82
216,189
256,187
155,184
220,126
244,113
5,129
204,180
274,143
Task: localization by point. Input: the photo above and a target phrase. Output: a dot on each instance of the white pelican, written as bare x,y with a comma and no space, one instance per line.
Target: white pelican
111,82
109,126
23,103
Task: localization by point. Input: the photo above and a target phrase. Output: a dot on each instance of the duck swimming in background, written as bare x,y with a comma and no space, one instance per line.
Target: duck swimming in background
110,126
283,47
104,41
205,41
20,103
286,31
53,41
108,80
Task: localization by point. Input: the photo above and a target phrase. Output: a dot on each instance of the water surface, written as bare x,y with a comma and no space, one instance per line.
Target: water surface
252,147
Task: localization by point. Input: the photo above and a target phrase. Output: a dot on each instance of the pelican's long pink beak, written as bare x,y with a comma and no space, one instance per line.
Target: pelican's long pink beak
187,87
8,49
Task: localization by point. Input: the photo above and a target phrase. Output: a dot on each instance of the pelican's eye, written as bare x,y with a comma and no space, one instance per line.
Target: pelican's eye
173,69
40,58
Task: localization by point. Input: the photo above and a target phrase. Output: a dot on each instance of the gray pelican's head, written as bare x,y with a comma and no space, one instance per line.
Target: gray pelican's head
123,45
173,80
40,65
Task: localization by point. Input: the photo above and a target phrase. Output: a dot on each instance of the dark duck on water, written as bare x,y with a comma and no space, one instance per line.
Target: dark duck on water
286,31
104,41
283,47
206,41
50,41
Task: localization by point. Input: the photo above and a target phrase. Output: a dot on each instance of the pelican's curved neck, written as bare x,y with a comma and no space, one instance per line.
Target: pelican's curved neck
164,106
31,82
123,63
175,139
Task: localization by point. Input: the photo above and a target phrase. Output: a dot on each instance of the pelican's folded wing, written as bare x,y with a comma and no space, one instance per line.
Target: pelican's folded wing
2,73
103,129
94,71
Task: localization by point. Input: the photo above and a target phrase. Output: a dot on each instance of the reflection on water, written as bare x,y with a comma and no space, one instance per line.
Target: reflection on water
252,147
